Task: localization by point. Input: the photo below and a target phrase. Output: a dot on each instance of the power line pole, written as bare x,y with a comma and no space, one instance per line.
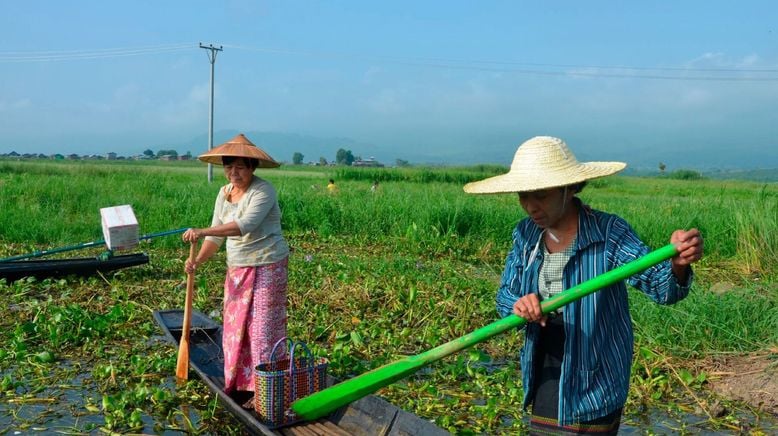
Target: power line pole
212,58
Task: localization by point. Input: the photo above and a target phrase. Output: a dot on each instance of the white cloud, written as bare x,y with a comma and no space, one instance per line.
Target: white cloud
129,93
22,103
750,60
371,74
721,60
388,101
694,97
707,59
190,110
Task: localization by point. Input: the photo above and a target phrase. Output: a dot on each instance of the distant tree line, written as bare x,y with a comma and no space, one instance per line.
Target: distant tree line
342,157
147,154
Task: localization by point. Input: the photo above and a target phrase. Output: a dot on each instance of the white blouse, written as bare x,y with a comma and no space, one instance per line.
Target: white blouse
259,218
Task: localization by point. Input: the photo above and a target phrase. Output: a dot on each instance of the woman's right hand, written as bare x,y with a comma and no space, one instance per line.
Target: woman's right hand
528,307
190,266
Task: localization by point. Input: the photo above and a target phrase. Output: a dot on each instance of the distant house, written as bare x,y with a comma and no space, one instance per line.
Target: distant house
110,156
370,162
73,156
167,157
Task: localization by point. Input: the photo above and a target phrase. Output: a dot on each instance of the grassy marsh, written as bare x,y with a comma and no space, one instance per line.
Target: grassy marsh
373,276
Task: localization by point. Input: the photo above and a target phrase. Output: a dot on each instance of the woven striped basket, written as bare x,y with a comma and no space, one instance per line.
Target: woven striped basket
279,382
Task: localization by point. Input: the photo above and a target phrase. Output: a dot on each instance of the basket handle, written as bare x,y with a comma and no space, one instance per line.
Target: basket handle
279,342
307,358
308,365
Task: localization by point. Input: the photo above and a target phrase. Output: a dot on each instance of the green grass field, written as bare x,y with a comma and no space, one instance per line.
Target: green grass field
373,276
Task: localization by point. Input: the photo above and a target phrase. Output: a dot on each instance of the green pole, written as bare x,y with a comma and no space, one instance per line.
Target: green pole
326,401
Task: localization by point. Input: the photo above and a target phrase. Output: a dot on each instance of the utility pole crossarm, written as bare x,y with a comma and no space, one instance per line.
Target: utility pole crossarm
212,51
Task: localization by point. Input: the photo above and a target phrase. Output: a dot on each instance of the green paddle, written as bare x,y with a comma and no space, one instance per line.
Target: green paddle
324,402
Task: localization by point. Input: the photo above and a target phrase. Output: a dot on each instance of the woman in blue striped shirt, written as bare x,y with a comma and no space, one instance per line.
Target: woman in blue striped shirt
576,362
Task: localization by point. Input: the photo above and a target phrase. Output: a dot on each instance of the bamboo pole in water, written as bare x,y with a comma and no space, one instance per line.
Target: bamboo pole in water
324,402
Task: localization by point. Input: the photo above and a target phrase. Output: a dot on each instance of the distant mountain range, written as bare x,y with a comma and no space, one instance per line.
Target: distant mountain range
283,145
743,162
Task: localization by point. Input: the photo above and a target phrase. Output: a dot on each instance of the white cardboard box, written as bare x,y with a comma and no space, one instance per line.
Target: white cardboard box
120,228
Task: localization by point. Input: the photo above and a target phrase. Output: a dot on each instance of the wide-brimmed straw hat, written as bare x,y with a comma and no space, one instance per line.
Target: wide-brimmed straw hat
543,162
239,146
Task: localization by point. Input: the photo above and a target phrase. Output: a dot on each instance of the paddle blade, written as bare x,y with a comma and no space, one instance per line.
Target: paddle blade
182,365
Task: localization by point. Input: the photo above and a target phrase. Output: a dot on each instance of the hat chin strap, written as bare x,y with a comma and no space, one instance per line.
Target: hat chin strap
550,233
564,200
564,205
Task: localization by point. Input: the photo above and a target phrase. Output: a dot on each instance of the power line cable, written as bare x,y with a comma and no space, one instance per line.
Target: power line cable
71,55
750,74
545,70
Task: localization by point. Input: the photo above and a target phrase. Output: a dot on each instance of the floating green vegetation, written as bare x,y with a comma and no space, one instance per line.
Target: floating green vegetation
373,276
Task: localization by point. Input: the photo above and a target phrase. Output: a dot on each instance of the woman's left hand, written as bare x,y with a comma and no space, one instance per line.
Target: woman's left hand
528,307
192,235
690,247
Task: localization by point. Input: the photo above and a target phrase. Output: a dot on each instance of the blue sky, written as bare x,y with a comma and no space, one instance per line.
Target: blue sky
693,84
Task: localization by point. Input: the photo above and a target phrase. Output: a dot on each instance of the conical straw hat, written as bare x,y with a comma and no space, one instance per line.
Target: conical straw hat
239,146
540,163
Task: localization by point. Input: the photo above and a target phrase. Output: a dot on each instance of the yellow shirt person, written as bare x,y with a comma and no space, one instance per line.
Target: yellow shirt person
331,188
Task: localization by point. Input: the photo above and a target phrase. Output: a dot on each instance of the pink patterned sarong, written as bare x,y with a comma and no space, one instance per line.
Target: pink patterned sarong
254,320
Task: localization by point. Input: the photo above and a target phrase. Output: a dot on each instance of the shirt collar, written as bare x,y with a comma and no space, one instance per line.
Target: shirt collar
588,230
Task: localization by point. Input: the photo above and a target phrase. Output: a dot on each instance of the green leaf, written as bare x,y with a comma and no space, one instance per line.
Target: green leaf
648,354
686,376
45,357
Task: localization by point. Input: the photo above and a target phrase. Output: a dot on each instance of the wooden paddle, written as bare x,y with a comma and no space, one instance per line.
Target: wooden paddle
182,365
328,400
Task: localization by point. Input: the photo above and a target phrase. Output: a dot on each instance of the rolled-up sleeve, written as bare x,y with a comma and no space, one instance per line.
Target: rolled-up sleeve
657,282
216,220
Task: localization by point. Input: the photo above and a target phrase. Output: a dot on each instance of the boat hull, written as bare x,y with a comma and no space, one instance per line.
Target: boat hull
41,269
369,416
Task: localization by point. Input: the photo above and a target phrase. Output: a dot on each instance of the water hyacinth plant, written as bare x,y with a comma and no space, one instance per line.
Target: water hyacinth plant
374,276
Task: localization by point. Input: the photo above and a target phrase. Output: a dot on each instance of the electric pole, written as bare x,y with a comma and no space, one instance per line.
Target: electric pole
212,58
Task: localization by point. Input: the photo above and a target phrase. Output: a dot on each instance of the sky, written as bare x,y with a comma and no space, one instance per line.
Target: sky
692,84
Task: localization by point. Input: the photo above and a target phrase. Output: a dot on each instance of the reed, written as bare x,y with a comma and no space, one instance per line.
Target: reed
373,276
59,202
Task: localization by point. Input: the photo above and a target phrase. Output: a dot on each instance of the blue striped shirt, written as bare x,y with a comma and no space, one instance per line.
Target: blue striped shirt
598,328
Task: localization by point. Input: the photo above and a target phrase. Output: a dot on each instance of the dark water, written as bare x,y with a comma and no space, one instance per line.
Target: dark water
68,415
659,421
62,410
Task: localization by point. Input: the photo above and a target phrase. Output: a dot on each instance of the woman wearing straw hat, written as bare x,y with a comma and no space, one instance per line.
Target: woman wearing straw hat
575,363
247,215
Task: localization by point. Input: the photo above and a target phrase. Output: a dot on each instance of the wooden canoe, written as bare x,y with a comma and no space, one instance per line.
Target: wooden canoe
369,416
41,269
